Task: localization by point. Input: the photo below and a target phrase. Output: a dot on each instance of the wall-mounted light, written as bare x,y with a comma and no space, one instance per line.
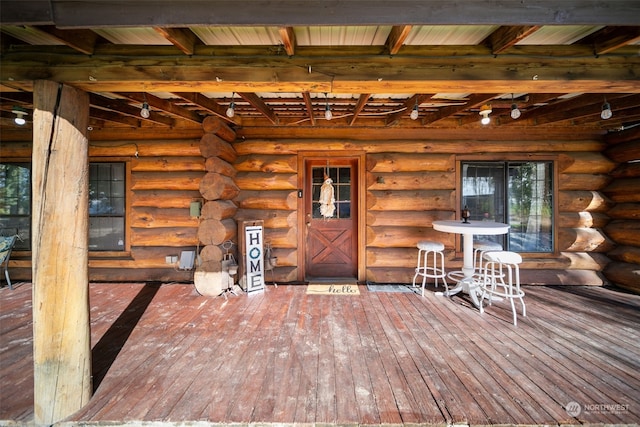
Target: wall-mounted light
231,111
20,113
606,111
144,111
485,110
515,112
414,113
327,110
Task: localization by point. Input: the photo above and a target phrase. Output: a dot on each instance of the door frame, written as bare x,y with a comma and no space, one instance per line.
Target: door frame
360,227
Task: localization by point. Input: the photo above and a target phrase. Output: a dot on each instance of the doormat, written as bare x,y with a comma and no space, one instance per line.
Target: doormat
332,289
389,287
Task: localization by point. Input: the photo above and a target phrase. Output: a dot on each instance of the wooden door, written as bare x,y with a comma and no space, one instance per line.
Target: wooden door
331,242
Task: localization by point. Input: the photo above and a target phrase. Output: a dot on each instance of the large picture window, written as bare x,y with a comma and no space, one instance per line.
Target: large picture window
107,206
517,193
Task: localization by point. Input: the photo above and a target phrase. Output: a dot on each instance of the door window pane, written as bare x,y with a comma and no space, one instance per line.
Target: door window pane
341,177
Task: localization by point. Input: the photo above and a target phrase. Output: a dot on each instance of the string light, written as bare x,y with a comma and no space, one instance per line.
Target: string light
327,111
515,112
144,111
606,111
231,111
414,113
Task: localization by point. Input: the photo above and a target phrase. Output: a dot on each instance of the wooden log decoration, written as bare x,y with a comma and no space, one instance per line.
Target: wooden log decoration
213,146
211,253
212,124
60,272
214,186
216,232
216,164
218,209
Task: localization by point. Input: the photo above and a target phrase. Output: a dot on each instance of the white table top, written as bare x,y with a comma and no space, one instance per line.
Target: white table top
473,227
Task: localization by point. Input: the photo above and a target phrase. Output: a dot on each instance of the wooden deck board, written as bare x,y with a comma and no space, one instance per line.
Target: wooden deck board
166,354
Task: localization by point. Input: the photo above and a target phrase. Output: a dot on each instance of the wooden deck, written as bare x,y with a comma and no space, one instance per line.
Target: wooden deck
168,355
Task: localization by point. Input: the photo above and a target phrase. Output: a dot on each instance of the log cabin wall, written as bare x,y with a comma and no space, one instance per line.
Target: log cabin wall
411,182
624,228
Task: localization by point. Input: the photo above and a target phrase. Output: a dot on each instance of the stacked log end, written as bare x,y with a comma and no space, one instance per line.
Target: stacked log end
218,189
624,227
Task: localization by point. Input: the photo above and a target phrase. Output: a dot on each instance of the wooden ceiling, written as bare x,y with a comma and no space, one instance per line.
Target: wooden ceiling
371,63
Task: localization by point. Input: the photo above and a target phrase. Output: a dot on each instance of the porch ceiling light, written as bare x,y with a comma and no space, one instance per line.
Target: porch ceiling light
20,113
231,111
485,110
515,112
414,113
327,110
144,111
606,111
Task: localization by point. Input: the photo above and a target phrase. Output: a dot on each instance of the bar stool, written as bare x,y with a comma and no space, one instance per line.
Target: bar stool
501,265
434,271
479,248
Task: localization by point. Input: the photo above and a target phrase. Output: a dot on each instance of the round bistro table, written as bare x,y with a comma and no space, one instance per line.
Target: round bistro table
468,230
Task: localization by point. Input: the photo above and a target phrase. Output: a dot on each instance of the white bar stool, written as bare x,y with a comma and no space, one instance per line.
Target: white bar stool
434,271
479,248
501,265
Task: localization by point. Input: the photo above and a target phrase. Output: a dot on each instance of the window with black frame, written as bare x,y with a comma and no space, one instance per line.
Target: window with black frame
107,206
519,193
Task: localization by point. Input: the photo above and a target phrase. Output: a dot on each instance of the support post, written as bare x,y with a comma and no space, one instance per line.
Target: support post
61,329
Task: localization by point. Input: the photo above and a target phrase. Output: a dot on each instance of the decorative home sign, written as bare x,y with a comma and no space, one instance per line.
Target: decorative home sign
254,258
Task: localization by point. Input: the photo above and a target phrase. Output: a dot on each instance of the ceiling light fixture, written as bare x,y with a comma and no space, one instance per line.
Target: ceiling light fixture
606,111
20,113
414,113
144,111
231,111
515,112
327,111
485,110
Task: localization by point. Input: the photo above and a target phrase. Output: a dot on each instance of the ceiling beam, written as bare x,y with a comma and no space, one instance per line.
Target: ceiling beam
341,74
362,102
396,38
472,101
586,109
183,38
259,105
409,104
121,106
288,37
612,38
114,117
505,37
163,105
210,105
83,41
161,13
309,106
